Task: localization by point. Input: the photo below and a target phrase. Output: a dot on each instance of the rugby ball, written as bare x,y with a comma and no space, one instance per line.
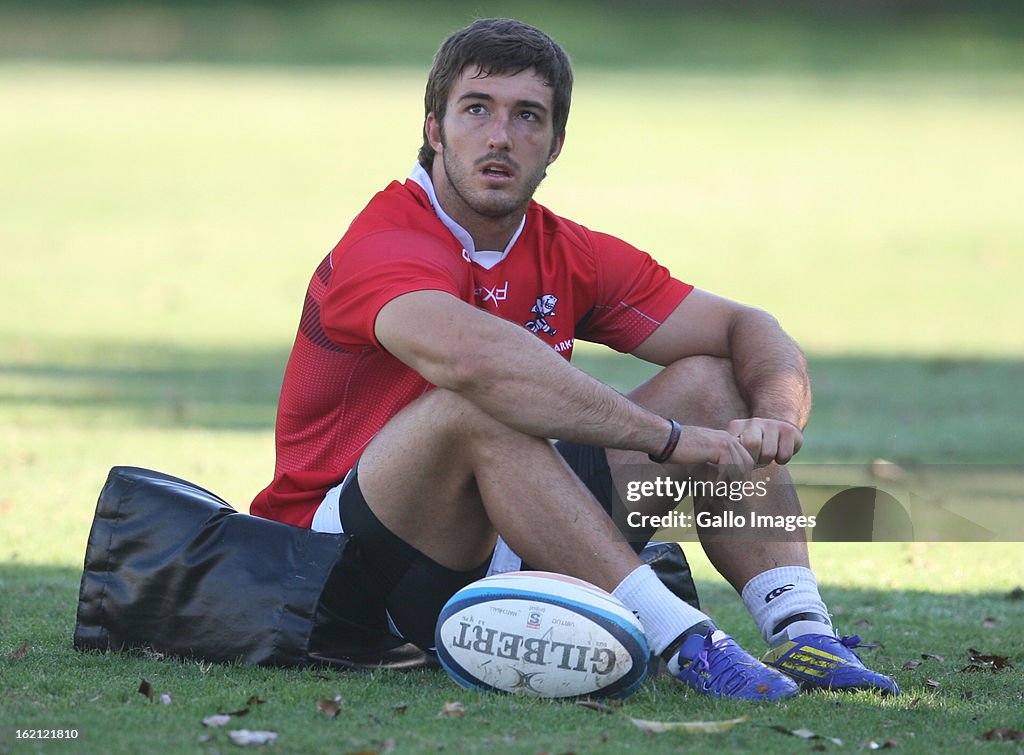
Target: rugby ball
541,634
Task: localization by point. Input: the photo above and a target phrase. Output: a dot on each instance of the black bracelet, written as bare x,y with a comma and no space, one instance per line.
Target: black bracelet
670,447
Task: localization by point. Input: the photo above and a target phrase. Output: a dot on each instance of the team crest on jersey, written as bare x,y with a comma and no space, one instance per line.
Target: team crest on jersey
544,308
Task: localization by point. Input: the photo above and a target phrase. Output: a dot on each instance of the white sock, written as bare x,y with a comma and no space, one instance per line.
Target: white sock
777,594
664,616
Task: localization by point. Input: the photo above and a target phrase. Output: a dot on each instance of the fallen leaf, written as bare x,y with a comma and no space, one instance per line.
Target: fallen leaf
690,727
594,705
330,708
253,700
807,734
911,665
981,662
244,737
452,710
18,654
145,688
1003,735
873,745
220,719
933,657
402,708
989,623
166,699
932,684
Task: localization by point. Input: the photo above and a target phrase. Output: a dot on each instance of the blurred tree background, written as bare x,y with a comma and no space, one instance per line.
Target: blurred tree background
836,37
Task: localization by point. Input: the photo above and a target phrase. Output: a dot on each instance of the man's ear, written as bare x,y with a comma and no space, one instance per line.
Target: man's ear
432,128
556,146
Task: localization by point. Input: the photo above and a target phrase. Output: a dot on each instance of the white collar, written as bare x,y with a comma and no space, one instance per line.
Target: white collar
483,257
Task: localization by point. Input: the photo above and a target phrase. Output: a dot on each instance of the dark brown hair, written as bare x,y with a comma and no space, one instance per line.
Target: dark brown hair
497,46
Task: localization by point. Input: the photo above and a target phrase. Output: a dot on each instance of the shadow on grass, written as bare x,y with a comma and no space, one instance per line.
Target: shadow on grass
148,384
906,409
40,602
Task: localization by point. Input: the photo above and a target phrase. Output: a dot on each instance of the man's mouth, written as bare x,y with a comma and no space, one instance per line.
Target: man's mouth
496,170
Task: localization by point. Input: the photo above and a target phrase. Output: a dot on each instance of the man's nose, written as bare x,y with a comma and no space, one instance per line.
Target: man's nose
499,137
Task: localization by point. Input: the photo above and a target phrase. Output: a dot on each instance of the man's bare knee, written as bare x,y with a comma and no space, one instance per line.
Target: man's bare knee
697,390
443,434
462,425
418,476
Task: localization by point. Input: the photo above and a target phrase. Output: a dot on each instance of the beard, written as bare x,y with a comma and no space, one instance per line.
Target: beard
490,203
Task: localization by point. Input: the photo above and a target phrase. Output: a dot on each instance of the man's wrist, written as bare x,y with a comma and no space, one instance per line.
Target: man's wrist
675,432
778,417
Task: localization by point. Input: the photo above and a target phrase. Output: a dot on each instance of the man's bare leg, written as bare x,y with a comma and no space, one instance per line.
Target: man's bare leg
445,477
702,391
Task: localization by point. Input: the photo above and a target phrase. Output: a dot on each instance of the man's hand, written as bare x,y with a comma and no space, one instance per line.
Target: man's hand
719,448
767,440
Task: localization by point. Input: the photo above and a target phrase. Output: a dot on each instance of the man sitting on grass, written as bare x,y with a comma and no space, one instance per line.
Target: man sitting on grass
432,366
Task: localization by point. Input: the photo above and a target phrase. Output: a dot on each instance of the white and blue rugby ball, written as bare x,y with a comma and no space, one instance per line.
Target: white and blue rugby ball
541,634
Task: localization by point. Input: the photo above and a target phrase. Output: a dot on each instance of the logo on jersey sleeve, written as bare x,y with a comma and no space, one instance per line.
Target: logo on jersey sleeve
544,308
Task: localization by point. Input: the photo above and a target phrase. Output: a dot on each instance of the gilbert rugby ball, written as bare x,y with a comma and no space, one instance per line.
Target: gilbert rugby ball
541,634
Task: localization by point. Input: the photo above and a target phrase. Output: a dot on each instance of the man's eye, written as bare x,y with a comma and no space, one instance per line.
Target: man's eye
529,115
476,109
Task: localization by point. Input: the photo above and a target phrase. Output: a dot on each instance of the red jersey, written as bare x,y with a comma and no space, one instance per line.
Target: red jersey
559,280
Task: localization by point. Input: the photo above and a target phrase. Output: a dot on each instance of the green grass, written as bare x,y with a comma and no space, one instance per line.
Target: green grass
914,599
158,224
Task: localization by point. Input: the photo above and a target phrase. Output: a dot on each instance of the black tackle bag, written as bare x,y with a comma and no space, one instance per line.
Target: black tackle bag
173,569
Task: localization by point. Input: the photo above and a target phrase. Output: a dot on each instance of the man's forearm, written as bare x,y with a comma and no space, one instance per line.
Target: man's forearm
770,369
535,391
521,382
511,374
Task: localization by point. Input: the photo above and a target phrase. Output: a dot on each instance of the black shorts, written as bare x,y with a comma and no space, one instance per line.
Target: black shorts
414,585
